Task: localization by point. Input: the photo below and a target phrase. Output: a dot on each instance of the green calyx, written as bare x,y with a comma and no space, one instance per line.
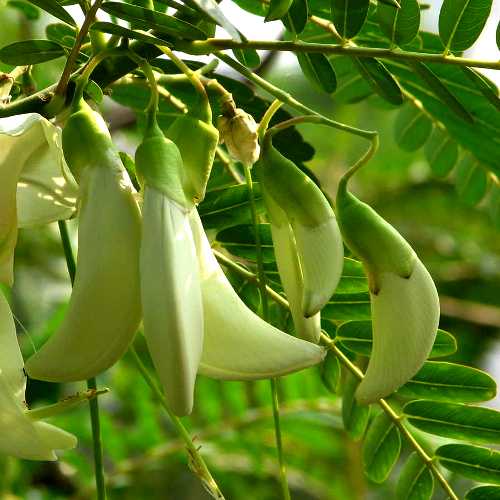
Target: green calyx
86,140
197,142
372,239
159,165
291,188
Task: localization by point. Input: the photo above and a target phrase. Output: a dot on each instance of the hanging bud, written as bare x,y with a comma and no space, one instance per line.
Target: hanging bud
21,436
293,201
404,300
36,186
238,344
104,310
170,285
239,132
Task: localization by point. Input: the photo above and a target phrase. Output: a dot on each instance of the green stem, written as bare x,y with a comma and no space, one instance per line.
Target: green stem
288,99
215,44
197,463
265,315
91,383
386,407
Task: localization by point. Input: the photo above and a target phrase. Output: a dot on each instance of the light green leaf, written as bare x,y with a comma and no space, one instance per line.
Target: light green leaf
456,421
412,128
330,372
471,180
354,416
450,382
381,448
462,21
415,481
277,9
474,462
248,57
487,88
400,25
348,16
30,52
441,152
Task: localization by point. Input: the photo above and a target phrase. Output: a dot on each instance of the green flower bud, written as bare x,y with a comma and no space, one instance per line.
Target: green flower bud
239,133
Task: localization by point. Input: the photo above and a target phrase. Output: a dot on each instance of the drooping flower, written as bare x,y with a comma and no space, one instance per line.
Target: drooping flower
22,436
36,186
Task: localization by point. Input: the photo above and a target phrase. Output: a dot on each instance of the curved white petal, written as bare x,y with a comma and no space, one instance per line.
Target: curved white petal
20,436
238,344
405,318
287,260
104,310
171,297
321,256
29,141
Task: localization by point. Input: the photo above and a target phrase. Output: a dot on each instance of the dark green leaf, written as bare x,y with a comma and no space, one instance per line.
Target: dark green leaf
415,481
115,29
357,337
248,57
461,22
400,25
381,448
212,9
30,52
318,70
494,205
441,152
412,128
330,372
487,88
30,11
381,81
52,7
442,91
449,382
348,306
456,421
348,16
296,19
474,462
354,416
471,180
277,9
148,19
483,493
62,34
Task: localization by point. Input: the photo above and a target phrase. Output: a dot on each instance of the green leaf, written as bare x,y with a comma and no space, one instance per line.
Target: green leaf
277,9
461,22
471,180
400,25
62,33
450,382
381,81
212,9
330,372
226,207
356,336
248,57
474,462
52,7
94,91
318,70
442,91
30,52
412,128
415,480
348,16
487,88
441,152
348,306
456,421
116,29
483,493
30,11
148,19
381,448
296,19
354,416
